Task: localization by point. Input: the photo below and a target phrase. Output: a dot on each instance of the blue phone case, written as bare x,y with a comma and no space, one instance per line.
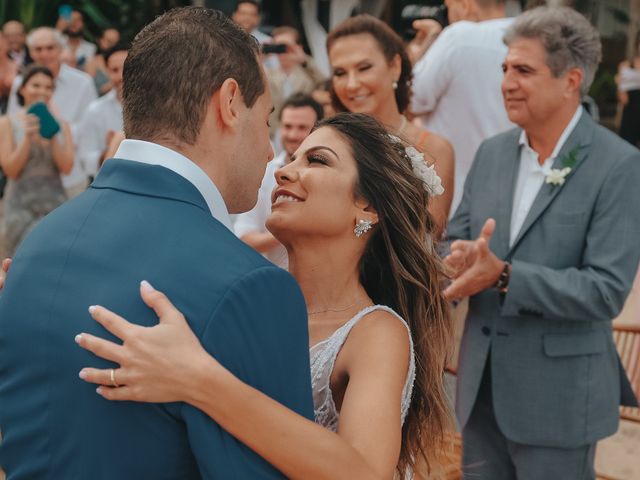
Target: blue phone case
48,125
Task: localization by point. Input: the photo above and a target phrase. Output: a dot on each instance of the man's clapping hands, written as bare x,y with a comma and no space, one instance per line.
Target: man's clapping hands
473,266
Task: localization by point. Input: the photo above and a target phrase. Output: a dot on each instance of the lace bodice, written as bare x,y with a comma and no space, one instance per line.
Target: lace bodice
323,357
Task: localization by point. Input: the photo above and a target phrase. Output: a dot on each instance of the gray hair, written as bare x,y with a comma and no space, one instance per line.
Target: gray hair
57,36
568,38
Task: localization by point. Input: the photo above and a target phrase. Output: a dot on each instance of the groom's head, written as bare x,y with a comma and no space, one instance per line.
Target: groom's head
193,82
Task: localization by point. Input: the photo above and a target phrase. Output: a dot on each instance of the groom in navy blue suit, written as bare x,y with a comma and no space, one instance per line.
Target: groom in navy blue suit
195,117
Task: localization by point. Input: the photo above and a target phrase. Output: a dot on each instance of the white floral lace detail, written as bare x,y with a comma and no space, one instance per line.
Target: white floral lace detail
425,172
323,357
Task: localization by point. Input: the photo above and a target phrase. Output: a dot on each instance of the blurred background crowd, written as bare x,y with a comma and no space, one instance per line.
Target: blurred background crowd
83,45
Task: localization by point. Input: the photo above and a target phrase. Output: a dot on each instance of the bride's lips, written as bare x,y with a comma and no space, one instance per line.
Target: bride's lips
282,195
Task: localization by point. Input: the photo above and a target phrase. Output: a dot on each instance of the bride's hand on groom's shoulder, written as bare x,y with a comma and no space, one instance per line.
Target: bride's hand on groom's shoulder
157,364
6,263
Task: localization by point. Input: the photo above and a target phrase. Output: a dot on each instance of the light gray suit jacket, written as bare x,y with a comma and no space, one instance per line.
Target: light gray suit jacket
555,371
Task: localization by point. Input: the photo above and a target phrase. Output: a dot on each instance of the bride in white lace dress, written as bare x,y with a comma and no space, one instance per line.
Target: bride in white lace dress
378,325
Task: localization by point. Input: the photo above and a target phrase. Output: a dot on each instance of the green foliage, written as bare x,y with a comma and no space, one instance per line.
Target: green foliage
570,159
603,89
128,16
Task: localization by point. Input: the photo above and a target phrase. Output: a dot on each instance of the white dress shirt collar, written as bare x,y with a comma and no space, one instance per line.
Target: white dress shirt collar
154,154
531,176
524,140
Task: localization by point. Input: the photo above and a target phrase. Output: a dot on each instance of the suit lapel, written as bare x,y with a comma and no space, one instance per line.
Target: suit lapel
507,184
580,137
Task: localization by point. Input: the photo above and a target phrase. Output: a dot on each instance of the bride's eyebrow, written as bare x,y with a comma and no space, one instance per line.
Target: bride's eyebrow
320,147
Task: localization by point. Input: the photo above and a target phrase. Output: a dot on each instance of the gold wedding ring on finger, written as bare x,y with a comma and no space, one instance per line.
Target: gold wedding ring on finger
112,374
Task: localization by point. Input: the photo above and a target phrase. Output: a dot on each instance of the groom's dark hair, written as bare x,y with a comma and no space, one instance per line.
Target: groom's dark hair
174,66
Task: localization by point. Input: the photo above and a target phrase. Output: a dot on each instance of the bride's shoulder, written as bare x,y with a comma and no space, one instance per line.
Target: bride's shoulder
381,333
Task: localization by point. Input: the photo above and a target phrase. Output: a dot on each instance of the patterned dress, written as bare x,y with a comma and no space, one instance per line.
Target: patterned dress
36,192
323,358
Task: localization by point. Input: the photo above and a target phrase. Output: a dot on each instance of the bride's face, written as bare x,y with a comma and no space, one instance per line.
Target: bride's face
315,192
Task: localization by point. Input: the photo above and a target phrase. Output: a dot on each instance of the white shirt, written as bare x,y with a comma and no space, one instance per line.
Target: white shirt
456,90
254,220
154,154
74,91
531,176
316,34
19,57
85,52
102,115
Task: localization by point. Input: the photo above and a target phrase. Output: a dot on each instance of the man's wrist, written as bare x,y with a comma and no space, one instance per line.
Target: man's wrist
502,284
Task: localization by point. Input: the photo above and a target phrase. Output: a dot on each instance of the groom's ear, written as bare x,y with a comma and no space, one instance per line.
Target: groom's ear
227,101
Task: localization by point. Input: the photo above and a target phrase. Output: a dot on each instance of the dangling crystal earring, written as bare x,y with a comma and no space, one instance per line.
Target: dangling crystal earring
362,227
395,85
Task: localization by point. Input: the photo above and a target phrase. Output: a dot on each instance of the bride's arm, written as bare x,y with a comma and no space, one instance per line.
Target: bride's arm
166,363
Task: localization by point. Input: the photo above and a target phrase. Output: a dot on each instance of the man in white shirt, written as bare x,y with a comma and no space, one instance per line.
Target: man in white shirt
546,252
80,52
74,91
14,33
103,117
456,85
298,115
247,15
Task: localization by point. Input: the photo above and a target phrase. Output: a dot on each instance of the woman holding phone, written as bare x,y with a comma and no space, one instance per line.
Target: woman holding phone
35,148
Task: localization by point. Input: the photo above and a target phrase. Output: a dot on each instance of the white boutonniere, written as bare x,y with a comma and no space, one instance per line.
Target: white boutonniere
557,176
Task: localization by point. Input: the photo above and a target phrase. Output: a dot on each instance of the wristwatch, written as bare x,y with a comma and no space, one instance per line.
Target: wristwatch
502,284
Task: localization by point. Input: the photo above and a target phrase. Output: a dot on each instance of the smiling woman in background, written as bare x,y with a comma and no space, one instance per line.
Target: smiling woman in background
31,163
371,73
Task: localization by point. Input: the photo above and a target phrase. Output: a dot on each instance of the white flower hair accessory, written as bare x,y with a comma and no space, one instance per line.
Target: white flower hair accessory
422,170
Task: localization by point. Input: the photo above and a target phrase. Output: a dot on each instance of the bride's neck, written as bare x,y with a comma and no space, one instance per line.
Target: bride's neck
328,280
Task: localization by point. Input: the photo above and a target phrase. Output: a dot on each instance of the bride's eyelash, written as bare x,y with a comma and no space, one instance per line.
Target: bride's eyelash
315,158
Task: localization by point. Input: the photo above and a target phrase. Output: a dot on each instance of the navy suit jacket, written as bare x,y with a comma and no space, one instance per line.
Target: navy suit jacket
139,222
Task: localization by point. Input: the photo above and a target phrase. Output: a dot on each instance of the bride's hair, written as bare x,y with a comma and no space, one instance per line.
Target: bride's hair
401,269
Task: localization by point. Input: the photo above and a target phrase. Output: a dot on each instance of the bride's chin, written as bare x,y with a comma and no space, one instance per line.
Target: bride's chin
280,228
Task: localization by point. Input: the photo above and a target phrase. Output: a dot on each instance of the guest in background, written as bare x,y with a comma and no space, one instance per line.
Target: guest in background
74,92
628,80
456,86
79,51
97,66
322,95
103,117
295,73
297,116
8,73
247,14
372,74
321,16
547,252
32,163
15,35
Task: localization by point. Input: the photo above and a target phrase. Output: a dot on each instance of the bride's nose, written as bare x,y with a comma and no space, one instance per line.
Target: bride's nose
286,174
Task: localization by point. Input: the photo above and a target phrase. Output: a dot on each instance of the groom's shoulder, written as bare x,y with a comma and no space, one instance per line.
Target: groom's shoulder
227,260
